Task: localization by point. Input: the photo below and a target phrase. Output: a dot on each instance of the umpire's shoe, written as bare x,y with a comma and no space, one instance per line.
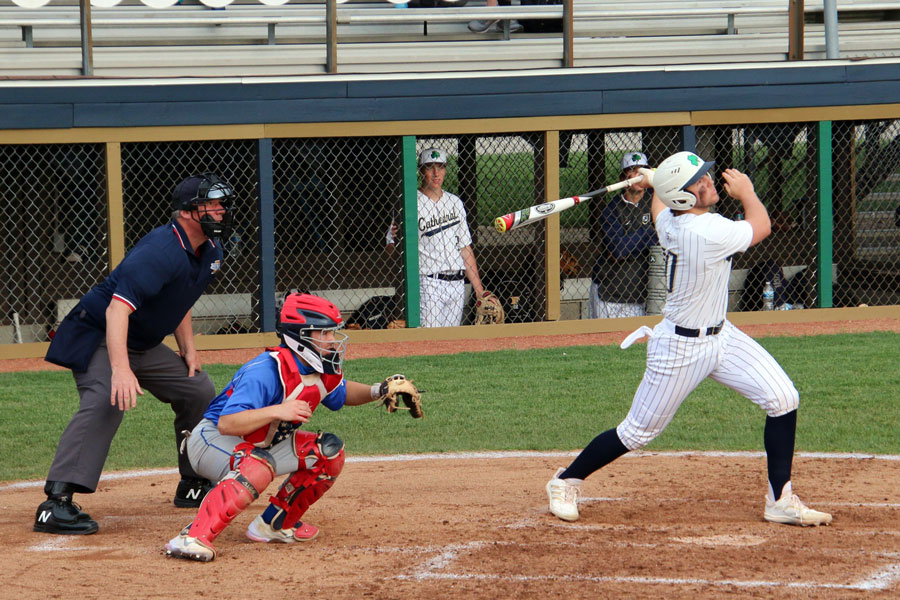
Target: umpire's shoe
58,514
190,492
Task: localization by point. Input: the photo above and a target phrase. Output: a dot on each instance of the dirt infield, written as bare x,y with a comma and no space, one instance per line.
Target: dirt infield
654,525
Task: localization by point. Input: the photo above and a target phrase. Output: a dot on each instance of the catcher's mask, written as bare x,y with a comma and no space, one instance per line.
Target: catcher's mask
677,173
195,192
303,314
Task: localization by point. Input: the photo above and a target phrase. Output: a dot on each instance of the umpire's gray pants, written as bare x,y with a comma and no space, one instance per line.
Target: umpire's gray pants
84,444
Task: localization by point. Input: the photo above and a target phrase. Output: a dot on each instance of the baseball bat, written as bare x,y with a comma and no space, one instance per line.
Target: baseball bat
532,214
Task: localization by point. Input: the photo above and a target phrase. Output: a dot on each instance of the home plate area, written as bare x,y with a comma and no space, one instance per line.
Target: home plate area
684,525
464,526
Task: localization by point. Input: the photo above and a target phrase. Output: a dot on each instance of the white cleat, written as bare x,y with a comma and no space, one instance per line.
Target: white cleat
260,531
563,497
184,546
791,511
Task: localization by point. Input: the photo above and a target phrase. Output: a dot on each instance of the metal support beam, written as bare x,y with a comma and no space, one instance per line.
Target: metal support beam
266,209
568,34
87,39
825,260
410,236
795,30
832,47
331,36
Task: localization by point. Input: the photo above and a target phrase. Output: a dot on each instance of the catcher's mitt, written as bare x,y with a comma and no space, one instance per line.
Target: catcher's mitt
488,309
397,390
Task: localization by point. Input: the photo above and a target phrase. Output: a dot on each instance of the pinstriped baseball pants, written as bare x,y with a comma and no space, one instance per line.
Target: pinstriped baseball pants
676,365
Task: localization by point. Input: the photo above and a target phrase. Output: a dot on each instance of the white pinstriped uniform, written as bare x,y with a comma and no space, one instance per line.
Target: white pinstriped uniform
698,265
443,232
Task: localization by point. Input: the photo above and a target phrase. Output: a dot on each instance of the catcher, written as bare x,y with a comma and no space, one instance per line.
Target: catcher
250,433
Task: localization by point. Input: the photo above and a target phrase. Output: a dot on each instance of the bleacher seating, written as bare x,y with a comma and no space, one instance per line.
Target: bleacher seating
250,38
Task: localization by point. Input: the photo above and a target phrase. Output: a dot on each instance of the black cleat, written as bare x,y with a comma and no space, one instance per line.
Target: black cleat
60,515
190,492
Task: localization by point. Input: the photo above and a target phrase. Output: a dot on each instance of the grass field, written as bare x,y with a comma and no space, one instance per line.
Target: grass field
545,399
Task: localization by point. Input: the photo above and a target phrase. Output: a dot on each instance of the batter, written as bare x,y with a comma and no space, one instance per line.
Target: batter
695,341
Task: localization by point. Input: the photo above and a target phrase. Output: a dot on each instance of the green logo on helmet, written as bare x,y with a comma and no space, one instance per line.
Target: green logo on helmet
694,160
435,154
635,157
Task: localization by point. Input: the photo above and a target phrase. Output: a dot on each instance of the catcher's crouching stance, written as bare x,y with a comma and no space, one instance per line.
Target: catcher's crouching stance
249,434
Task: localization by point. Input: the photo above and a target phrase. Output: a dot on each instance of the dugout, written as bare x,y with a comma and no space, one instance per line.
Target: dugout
322,165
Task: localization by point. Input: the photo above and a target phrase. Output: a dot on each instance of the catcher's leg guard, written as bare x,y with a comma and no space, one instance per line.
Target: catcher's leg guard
323,455
254,471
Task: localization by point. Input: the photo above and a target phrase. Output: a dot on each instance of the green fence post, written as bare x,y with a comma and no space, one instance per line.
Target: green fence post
410,231
826,217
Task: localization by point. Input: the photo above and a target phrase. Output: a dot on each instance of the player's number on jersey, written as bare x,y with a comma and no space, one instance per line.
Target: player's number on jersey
671,262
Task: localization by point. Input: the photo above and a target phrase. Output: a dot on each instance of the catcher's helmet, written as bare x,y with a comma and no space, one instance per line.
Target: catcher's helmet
195,191
675,174
301,314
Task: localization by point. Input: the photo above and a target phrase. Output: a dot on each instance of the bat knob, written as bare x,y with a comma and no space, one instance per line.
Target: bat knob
502,224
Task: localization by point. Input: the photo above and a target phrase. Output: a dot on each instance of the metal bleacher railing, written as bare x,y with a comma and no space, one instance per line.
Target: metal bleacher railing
593,23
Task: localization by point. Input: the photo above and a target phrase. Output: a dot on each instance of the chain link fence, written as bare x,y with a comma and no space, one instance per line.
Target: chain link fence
150,172
780,159
605,247
53,237
495,175
867,212
335,200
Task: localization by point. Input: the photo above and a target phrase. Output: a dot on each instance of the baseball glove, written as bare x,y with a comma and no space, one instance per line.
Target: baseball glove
488,309
399,393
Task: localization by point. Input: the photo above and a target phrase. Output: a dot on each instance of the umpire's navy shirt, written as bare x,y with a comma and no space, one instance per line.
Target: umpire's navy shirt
160,279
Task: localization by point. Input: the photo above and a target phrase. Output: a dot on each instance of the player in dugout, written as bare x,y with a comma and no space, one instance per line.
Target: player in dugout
695,340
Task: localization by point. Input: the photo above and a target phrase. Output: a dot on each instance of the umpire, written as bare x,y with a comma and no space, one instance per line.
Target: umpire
112,342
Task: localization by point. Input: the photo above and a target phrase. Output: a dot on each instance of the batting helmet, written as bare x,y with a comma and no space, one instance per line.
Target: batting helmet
302,314
677,173
193,193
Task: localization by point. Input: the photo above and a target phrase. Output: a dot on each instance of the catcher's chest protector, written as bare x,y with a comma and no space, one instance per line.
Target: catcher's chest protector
311,388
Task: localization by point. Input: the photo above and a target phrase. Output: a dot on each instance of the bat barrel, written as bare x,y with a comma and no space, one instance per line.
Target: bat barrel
504,223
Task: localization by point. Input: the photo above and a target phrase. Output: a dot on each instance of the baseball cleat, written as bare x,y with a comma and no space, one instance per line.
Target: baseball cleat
563,497
190,492
260,531
791,511
61,516
184,546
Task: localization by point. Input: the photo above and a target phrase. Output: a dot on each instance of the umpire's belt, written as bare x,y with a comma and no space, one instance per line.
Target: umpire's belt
451,276
696,332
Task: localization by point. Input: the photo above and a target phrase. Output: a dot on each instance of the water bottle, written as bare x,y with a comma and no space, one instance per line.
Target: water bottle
768,296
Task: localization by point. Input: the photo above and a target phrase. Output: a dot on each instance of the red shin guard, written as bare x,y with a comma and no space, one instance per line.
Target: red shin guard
234,493
323,456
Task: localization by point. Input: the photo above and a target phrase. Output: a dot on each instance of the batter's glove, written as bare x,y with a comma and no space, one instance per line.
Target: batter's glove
398,393
488,309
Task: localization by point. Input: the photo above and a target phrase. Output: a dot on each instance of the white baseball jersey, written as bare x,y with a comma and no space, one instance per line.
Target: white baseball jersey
443,232
698,265
699,250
